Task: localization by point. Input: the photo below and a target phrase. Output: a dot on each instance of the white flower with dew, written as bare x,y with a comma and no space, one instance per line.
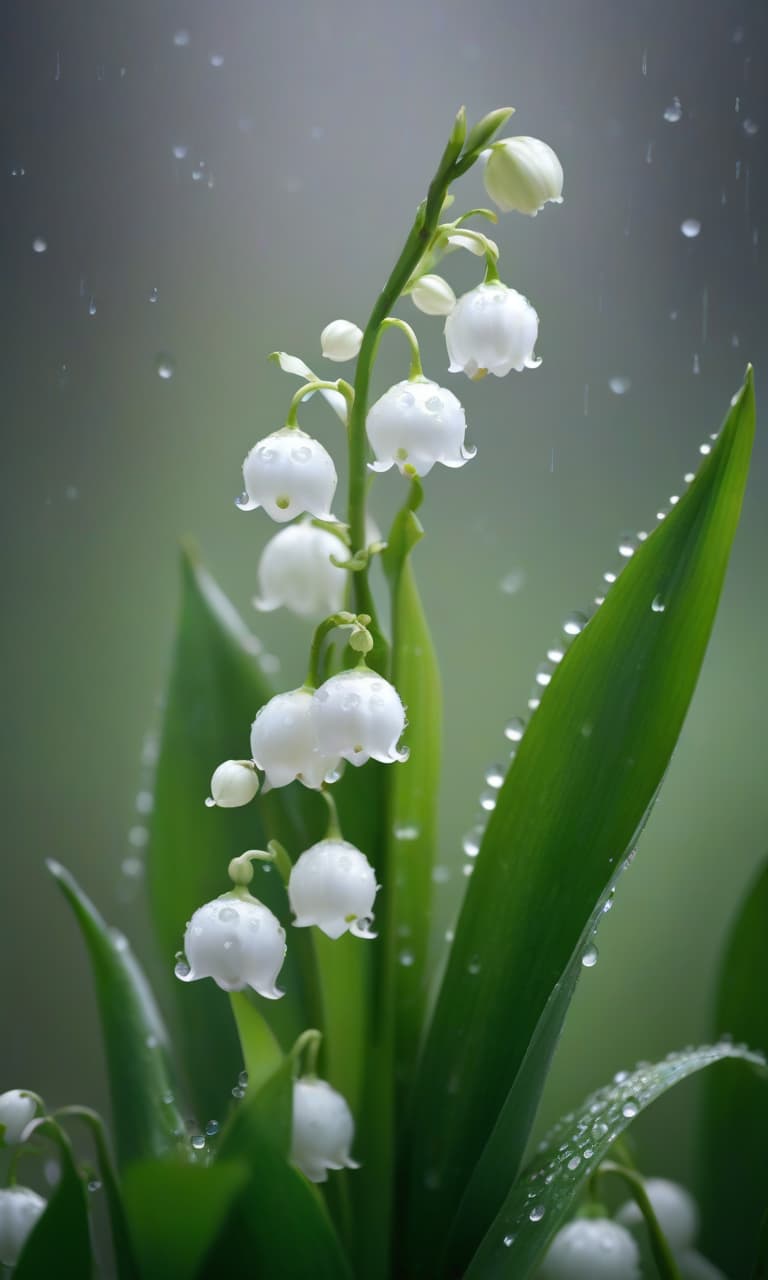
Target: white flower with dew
17,1108
433,295
492,329
416,424
20,1208
591,1249
359,716
340,340
523,174
288,473
284,742
323,1129
333,886
238,942
295,572
675,1208
234,782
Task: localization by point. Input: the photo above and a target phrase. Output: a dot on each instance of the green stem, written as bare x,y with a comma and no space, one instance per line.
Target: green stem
309,389
394,322
663,1256
318,639
333,831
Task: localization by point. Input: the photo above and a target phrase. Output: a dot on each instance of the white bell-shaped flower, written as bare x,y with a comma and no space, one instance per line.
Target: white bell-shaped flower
694,1266
238,942
235,782
433,295
20,1208
287,474
492,329
523,174
591,1249
295,571
675,1208
17,1108
340,340
284,743
323,1129
333,886
416,424
358,715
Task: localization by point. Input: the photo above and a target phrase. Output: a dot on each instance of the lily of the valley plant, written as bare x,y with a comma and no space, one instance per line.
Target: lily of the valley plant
335,1103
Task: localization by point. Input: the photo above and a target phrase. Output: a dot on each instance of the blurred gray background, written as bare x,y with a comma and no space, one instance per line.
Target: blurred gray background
207,182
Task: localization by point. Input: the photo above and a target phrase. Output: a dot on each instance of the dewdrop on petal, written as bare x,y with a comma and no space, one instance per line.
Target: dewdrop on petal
238,942
415,424
288,473
234,783
675,1208
20,1209
323,1129
359,716
17,1108
433,295
523,174
591,1249
295,572
340,340
492,329
284,745
333,886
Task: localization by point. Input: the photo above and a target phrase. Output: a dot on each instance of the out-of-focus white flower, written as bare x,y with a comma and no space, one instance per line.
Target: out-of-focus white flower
238,942
492,329
591,1249
284,743
694,1266
235,782
333,886
287,474
523,174
433,295
358,715
16,1111
416,424
323,1129
340,340
295,571
20,1209
675,1208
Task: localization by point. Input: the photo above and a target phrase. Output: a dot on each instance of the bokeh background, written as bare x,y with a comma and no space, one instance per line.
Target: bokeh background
187,186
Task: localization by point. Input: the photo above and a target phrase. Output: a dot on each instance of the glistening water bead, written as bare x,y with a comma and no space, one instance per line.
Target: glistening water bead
590,957
690,228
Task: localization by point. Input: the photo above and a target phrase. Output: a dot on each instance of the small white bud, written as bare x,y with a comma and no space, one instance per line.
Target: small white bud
433,295
16,1111
295,571
591,1249
288,473
358,715
333,886
284,744
235,782
323,1129
416,424
492,329
474,242
675,1208
20,1209
340,340
523,174
236,941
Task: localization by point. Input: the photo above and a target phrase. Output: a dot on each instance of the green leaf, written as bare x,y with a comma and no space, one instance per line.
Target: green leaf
585,774
733,1181
60,1243
146,1119
548,1191
261,1052
126,1265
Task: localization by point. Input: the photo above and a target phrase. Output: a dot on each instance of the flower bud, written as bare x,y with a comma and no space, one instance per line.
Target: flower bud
323,1129
20,1209
523,174
238,942
358,715
675,1208
416,424
492,329
333,886
340,340
433,295
284,745
16,1111
235,782
295,571
288,473
591,1249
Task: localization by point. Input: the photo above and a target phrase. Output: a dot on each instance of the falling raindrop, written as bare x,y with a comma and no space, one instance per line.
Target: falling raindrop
181,38
91,306
690,228
154,294
216,59
619,385
696,363
750,127
39,245
511,583
674,112
165,366
180,150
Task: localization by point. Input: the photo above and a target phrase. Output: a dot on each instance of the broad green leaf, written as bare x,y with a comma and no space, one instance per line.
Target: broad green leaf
60,1243
585,773
261,1052
548,1191
733,1164
125,1262
146,1118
